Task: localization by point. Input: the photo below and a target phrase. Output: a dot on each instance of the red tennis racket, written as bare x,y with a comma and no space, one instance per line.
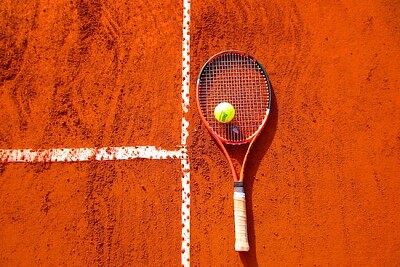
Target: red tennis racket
239,79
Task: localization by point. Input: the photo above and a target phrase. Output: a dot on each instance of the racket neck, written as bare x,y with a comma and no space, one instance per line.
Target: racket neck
241,177
226,154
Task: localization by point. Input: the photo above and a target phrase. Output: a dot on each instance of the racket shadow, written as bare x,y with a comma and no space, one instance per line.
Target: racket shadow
259,149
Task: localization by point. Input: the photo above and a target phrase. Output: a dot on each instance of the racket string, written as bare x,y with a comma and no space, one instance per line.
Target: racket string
240,81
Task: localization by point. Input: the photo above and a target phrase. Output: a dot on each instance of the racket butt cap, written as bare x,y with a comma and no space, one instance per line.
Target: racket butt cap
242,247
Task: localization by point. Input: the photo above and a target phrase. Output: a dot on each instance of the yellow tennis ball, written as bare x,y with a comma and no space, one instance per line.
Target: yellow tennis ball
224,112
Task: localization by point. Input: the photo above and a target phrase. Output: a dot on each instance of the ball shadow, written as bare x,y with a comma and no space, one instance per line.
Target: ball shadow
258,151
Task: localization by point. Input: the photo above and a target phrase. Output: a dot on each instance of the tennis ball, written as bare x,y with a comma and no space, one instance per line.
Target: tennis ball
224,112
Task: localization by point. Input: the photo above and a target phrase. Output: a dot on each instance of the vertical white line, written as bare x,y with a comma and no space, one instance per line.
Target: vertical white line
185,248
185,212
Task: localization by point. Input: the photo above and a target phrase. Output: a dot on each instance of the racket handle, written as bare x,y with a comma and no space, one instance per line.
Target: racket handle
239,206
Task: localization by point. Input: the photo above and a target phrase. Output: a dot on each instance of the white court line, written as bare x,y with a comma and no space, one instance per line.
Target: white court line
88,154
185,212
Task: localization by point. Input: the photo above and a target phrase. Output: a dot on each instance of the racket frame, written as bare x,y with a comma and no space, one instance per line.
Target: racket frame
240,218
249,140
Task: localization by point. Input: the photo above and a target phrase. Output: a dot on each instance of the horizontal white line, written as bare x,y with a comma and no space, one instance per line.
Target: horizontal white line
89,154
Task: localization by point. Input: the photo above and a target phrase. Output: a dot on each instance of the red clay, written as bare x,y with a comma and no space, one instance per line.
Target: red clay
322,179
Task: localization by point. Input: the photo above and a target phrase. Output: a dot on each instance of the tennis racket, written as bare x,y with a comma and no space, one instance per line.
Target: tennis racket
239,79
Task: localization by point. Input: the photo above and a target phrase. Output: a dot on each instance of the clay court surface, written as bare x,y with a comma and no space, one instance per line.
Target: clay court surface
323,178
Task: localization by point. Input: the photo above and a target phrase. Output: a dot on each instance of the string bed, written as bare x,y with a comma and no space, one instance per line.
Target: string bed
241,81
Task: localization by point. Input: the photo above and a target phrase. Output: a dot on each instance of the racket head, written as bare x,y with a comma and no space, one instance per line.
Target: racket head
237,78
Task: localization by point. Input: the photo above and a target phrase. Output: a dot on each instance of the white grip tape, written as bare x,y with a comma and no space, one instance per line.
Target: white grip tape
239,206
